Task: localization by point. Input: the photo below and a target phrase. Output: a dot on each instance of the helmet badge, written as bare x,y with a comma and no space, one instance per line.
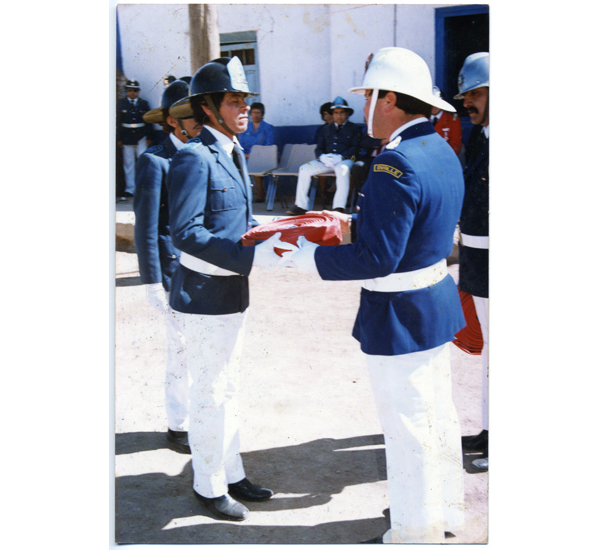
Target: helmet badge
237,75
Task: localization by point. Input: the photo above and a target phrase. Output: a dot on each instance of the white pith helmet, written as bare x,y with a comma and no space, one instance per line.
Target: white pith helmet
403,71
475,73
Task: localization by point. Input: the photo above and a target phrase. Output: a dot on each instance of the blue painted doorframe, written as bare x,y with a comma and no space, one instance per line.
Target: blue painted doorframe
459,32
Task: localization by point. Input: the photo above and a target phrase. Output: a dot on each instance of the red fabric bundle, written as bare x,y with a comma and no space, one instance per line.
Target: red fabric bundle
469,339
317,227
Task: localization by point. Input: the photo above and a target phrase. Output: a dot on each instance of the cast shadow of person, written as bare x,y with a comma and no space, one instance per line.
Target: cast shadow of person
158,508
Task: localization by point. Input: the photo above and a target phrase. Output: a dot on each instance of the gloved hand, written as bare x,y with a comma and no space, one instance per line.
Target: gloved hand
335,159
326,160
303,257
264,255
157,297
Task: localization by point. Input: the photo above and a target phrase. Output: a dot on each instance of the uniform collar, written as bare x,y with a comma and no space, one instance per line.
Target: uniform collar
395,138
225,142
176,141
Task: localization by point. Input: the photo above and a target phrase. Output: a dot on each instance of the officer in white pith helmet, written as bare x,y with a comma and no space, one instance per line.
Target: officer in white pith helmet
409,309
474,90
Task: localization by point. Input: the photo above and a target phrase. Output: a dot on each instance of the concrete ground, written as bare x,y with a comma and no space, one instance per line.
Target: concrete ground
309,430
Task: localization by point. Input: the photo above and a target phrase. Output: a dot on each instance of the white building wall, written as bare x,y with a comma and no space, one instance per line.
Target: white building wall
154,42
308,54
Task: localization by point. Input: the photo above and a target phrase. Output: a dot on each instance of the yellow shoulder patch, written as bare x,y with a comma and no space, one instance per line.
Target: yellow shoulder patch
387,168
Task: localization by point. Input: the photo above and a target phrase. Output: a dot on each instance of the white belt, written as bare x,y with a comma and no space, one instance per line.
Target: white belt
472,241
200,266
137,125
409,280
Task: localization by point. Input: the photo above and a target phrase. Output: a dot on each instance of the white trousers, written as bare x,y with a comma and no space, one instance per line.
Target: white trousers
214,344
177,378
413,393
316,167
130,155
482,307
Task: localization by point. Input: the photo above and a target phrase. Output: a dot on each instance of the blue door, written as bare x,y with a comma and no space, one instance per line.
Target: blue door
459,32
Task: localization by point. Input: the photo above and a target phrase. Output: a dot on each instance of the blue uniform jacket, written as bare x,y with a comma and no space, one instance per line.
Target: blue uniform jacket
263,136
132,114
474,219
157,256
408,212
343,141
210,208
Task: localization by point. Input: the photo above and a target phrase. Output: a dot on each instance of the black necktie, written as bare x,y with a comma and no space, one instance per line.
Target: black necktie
238,159
435,119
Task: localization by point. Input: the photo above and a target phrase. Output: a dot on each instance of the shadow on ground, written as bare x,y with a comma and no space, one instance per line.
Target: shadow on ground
158,508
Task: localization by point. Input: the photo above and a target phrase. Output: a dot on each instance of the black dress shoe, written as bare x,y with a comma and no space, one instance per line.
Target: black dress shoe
476,443
179,441
375,540
248,491
481,464
296,211
340,209
225,507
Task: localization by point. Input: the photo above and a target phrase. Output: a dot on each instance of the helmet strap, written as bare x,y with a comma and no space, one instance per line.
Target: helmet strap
213,109
183,130
374,95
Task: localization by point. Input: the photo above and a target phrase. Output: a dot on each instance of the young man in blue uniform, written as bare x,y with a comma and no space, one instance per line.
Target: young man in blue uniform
210,208
134,135
157,257
409,308
336,151
473,249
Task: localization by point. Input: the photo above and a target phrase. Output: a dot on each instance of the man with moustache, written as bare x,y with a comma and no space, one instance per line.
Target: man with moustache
409,309
157,257
474,90
210,208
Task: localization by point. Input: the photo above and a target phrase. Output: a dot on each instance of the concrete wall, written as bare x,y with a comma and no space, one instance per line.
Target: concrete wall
154,42
308,54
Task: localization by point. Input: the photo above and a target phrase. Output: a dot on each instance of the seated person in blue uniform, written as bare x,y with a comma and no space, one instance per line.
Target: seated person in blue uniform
259,132
410,308
336,151
157,257
326,117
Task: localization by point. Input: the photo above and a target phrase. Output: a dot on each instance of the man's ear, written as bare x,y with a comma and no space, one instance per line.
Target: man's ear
389,101
171,121
207,111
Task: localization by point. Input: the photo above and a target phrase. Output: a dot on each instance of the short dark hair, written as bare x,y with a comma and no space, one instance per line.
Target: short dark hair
259,106
167,128
197,101
326,107
410,105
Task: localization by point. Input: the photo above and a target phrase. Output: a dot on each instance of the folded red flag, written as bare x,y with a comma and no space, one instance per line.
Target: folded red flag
469,338
317,227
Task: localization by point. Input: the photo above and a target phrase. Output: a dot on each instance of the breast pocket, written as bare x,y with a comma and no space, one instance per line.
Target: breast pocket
225,195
